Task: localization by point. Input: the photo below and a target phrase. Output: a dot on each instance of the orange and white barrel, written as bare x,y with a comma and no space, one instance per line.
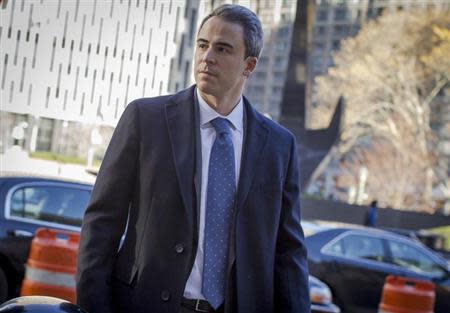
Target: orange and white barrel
51,265
407,295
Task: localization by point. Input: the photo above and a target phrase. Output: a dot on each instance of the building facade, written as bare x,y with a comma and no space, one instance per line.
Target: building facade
69,66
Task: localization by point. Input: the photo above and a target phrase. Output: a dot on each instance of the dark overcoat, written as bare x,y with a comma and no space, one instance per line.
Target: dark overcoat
150,177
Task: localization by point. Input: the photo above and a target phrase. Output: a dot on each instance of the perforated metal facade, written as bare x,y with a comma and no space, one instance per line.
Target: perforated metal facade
84,60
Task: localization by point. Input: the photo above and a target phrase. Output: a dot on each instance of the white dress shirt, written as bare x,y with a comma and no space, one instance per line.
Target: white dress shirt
193,289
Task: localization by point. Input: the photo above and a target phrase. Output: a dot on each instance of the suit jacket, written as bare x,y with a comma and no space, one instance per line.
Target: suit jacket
149,178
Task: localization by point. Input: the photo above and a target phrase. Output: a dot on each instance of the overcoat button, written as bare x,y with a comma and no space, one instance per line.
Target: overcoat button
179,248
165,295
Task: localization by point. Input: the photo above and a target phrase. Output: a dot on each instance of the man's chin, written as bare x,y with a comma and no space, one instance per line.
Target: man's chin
205,88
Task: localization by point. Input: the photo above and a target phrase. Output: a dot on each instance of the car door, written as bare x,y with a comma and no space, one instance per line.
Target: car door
359,261
31,205
420,263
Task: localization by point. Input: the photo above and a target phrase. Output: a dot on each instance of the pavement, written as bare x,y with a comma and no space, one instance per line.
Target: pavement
16,160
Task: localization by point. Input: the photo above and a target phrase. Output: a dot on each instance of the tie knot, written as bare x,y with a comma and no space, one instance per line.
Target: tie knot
221,125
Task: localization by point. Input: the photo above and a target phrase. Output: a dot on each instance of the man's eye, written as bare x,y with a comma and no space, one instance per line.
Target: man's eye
201,46
222,49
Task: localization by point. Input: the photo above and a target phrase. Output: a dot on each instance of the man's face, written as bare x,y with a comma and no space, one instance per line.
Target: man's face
220,63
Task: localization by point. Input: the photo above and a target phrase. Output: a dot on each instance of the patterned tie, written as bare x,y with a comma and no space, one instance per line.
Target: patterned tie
220,200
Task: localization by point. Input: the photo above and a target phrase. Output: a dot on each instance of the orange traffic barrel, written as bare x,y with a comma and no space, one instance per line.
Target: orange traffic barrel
51,266
407,295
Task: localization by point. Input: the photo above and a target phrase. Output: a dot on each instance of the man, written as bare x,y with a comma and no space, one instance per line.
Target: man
207,190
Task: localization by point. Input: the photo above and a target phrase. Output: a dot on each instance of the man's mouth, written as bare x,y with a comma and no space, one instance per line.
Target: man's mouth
207,72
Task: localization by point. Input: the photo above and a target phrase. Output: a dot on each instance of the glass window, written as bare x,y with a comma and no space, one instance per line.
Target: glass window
340,14
358,247
340,30
193,20
283,32
335,248
62,205
45,134
260,75
336,44
320,30
17,204
322,15
413,259
319,47
279,61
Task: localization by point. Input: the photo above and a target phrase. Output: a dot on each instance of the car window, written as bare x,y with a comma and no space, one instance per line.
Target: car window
358,246
413,259
62,205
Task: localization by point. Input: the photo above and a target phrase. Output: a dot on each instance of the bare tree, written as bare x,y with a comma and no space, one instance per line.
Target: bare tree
389,74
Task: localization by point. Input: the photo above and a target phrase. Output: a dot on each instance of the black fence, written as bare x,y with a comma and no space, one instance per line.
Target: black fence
355,214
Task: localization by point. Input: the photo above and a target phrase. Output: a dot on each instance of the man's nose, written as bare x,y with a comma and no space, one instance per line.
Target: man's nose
208,56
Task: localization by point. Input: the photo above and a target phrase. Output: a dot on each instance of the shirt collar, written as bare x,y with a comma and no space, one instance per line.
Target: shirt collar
207,114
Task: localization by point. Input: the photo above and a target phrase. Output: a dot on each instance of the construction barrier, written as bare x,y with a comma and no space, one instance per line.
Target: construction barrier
51,265
407,295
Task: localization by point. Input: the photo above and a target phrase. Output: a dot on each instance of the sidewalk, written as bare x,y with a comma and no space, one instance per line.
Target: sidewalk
17,161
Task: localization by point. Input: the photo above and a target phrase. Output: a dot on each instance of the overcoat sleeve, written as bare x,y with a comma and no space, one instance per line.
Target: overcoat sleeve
106,215
291,268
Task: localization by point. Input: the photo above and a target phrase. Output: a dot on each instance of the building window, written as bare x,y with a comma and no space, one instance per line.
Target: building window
260,75
276,90
340,30
322,15
192,25
319,47
283,31
336,44
279,61
340,14
278,75
320,30
45,134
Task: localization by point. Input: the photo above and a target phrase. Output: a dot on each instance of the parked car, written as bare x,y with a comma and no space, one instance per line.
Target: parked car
354,263
27,203
321,297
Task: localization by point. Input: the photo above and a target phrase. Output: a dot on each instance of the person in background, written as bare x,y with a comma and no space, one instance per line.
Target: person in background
371,214
206,190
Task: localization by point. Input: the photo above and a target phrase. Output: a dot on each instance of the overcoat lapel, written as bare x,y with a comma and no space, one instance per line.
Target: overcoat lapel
255,138
180,115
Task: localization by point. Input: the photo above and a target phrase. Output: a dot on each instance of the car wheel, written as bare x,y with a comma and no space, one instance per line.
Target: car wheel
3,286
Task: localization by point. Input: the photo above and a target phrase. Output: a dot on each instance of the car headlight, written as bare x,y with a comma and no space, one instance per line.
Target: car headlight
319,292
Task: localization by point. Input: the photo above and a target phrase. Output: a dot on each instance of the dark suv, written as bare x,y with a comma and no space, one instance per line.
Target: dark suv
27,203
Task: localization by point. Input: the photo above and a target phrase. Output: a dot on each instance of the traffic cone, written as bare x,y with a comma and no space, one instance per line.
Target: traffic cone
407,295
51,265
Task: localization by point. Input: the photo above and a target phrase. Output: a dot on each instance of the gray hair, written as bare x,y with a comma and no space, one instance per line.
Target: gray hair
253,33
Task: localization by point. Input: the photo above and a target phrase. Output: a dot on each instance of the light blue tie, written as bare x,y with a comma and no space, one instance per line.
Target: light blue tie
220,200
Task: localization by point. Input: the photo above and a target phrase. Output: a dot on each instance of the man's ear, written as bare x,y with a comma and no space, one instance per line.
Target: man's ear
250,65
